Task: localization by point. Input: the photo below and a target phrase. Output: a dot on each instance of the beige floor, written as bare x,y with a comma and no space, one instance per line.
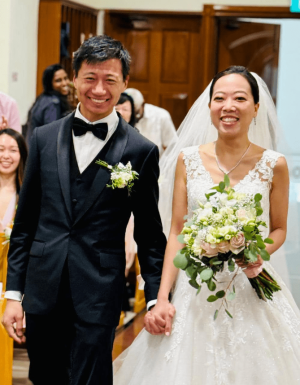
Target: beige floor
20,367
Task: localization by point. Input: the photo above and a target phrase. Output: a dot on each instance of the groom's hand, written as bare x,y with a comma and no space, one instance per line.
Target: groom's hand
159,319
13,320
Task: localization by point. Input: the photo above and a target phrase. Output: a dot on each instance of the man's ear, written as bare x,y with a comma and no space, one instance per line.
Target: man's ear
126,81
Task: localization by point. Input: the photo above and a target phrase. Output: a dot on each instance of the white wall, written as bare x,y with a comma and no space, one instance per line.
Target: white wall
175,5
18,45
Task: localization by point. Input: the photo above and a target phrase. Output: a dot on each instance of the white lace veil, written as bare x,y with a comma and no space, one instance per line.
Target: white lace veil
197,129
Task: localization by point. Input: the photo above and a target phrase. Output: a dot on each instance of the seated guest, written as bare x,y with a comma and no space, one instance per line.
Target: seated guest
9,113
155,123
125,107
13,155
53,103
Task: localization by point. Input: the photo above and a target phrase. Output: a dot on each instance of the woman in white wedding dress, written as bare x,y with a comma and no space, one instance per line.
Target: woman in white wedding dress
261,344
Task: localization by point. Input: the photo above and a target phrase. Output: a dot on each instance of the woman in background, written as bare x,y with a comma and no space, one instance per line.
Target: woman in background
125,107
13,155
53,103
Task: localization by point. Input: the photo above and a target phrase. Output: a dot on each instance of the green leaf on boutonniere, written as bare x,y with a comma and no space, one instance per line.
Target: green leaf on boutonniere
216,314
220,294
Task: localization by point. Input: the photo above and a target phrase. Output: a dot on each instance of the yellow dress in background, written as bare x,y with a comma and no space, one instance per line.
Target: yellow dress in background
6,343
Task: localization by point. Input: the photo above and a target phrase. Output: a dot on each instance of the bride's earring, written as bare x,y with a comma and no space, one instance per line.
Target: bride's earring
255,120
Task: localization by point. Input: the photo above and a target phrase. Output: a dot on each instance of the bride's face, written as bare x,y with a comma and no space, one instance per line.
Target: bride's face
232,106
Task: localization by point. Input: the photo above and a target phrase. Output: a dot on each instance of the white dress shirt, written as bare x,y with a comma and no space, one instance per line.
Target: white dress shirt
157,126
88,146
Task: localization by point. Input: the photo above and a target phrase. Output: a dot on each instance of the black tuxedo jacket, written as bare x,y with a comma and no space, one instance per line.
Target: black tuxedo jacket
46,234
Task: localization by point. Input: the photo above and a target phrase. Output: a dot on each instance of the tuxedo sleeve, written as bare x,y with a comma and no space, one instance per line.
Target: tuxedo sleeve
26,220
148,231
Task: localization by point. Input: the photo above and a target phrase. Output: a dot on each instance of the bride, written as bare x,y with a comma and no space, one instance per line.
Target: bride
261,344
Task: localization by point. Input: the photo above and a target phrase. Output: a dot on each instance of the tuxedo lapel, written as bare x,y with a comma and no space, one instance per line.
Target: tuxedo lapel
63,159
112,154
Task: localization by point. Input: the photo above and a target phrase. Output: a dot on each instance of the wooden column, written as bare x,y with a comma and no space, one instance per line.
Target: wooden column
48,38
208,38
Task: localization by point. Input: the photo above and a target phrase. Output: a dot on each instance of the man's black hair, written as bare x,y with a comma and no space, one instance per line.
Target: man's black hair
99,49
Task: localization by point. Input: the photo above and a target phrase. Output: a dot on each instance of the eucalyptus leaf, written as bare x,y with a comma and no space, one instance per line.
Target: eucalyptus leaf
206,274
180,261
211,285
265,255
233,288
194,284
222,186
220,294
199,289
228,313
216,314
190,270
259,211
180,238
252,256
226,180
231,296
248,229
257,197
212,298
269,240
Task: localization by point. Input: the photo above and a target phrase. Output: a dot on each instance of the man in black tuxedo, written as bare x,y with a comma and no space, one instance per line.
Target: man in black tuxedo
67,246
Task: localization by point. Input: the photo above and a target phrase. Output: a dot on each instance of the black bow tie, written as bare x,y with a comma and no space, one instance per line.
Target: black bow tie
99,129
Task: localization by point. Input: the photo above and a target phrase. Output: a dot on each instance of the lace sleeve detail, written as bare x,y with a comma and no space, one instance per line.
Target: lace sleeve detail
191,161
266,165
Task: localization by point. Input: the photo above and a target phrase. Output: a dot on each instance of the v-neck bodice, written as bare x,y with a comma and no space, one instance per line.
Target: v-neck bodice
257,180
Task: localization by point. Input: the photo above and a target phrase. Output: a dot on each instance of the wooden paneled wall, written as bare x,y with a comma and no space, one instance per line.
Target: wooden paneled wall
83,24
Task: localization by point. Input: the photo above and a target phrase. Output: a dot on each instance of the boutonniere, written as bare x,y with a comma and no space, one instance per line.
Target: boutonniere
121,176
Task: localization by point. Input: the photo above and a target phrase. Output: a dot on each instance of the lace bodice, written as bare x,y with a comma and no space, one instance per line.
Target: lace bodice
258,180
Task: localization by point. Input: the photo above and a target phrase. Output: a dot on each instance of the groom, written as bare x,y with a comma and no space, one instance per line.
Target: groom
67,247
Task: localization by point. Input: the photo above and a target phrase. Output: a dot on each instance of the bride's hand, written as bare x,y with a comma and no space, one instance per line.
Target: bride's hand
159,319
252,270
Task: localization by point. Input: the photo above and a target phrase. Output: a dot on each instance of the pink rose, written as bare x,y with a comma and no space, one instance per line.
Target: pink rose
209,251
237,243
224,247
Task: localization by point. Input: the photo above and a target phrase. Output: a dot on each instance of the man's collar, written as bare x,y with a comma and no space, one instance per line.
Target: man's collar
111,119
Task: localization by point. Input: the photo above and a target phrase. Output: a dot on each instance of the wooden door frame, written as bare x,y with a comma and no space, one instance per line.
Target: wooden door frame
209,30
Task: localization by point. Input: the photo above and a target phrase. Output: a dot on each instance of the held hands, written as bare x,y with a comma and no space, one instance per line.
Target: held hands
159,319
252,269
13,320
3,123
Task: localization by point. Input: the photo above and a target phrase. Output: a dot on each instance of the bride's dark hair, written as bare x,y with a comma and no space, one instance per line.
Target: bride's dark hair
239,70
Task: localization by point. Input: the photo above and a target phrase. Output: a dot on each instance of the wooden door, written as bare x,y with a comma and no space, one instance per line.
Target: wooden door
253,45
165,56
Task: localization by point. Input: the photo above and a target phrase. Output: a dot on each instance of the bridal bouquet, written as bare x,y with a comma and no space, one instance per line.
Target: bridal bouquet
225,229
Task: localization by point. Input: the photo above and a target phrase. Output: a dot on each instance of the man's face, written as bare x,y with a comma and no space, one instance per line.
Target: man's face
99,87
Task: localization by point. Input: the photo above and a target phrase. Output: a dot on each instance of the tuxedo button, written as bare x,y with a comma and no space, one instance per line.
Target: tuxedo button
74,201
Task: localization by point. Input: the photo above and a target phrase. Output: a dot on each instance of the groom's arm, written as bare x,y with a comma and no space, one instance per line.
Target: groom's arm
148,231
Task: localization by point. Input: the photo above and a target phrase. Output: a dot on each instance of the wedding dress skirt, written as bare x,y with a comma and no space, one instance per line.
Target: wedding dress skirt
260,345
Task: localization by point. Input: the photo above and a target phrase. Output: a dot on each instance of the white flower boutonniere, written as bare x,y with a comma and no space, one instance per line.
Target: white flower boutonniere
121,176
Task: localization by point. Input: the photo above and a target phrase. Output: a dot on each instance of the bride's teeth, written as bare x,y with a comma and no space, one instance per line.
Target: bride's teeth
229,119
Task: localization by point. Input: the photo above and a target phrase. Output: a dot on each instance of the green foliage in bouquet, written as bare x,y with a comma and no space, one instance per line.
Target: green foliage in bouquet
225,229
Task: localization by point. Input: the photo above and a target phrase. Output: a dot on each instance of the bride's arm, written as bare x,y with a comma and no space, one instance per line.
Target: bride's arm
279,200
159,319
